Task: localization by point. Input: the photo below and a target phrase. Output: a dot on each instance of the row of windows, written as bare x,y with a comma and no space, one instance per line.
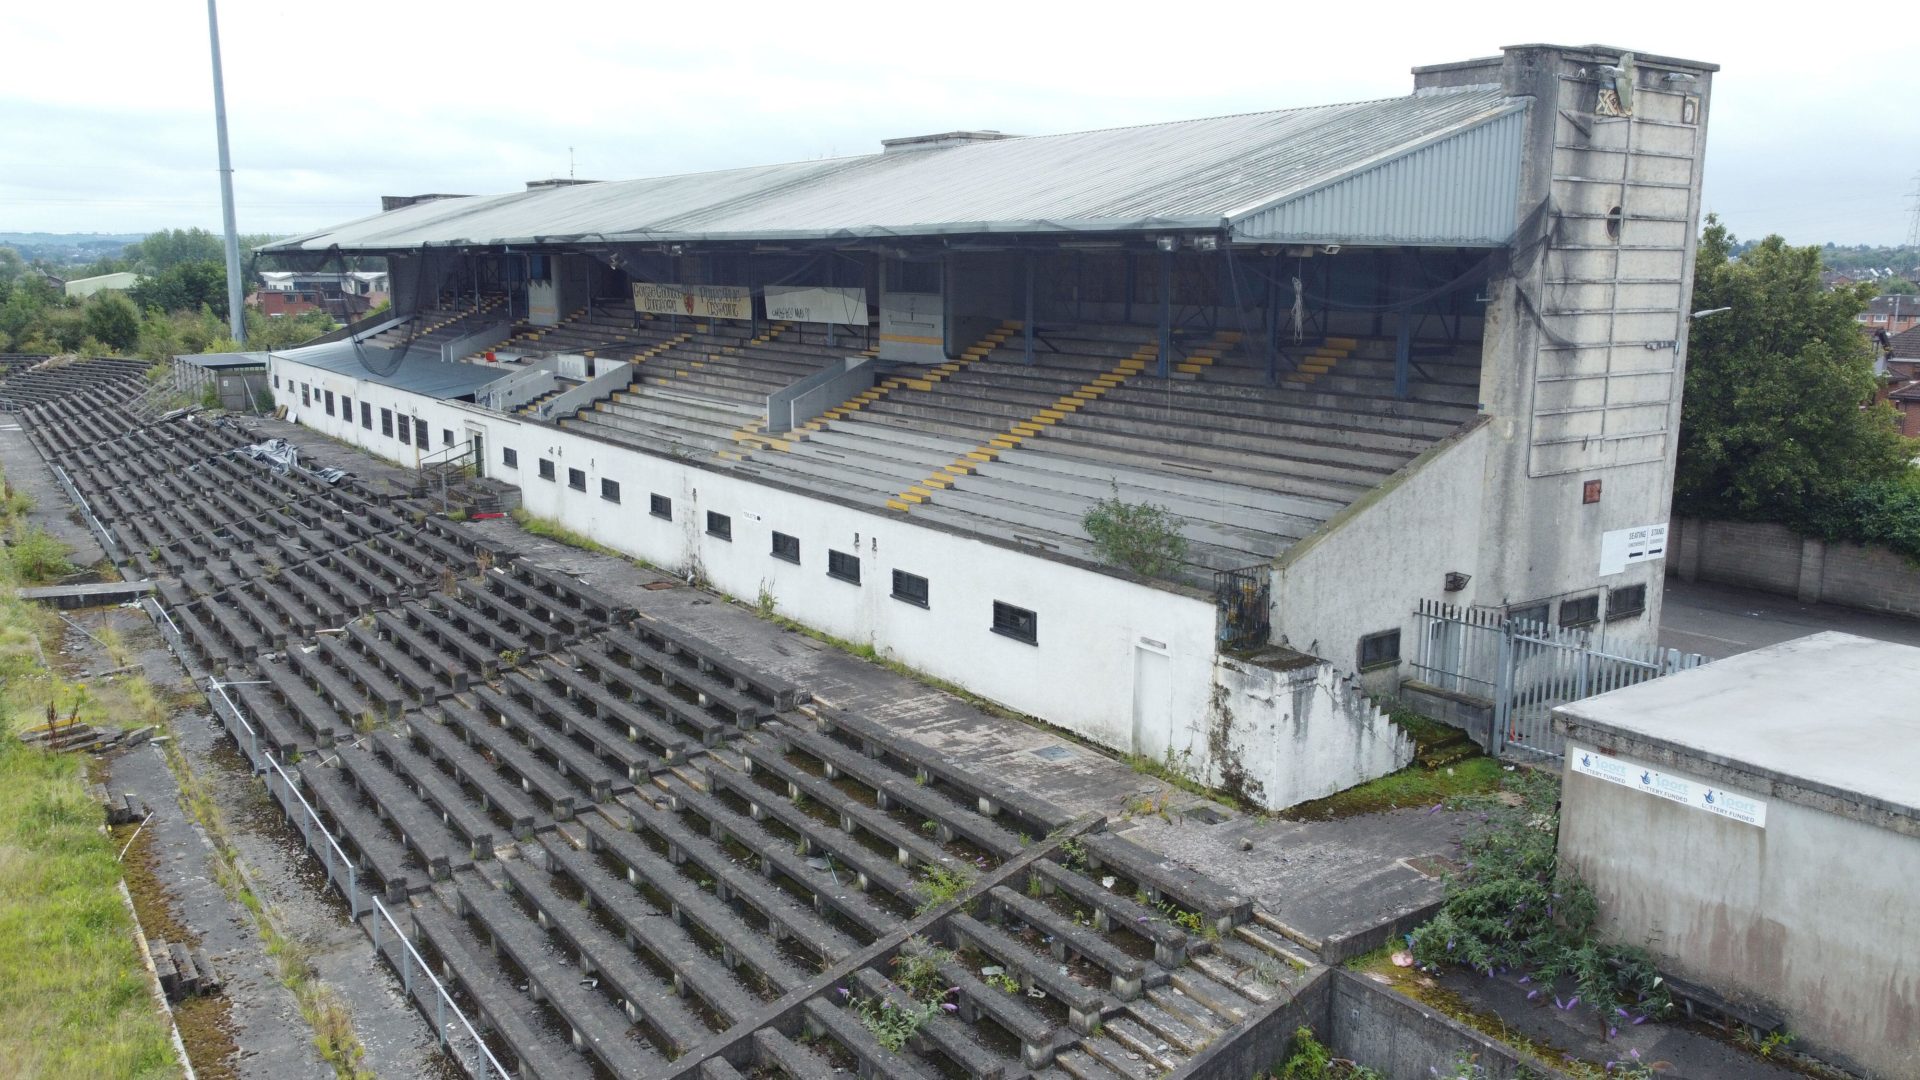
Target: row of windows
1009,620
410,431
1625,602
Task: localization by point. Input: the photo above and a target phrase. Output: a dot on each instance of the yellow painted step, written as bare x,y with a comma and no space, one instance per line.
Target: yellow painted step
938,481
959,468
1053,414
1006,442
896,504
909,496
982,455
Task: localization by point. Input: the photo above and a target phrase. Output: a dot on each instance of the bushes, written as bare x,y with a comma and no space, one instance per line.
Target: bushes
1140,537
1883,512
34,557
1513,908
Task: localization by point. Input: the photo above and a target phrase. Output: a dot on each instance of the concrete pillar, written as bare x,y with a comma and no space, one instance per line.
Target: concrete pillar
1813,565
1686,560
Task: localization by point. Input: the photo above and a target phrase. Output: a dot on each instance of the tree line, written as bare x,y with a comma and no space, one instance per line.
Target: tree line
1779,421
178,306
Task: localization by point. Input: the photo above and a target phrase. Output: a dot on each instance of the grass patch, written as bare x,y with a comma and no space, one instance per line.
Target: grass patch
1447,767
560,534
74,1000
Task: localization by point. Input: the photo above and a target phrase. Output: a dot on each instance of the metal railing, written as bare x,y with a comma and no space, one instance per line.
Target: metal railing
342,874
1244,600
1527,669
86,511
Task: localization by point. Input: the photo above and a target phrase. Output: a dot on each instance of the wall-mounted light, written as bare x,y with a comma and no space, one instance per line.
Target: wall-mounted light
1166,243
1457,580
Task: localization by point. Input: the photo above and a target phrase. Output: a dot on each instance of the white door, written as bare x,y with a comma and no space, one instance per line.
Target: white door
1152,700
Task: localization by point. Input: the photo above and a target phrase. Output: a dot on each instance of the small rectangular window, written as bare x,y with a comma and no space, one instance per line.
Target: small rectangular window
509,457
446,436
546,469
346,408
1016,622
405,425
306,398
1580,611
422,435
386,422
327,396
577,479
366,416
1380,650
786,547
610,490
1534,613
911,588
660,506
1626,602
843,566
276,382
719,526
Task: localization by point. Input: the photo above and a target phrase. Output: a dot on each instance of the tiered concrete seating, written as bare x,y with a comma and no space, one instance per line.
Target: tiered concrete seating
119,380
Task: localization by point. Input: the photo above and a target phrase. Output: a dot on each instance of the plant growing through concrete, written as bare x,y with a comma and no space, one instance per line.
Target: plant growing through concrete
941,884
917,969
1307,1059
766,602
891,1025
1513,906
1141,537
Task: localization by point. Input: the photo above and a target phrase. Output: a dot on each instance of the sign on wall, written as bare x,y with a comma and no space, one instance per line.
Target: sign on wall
818,304
698,301
1669,786
1622,548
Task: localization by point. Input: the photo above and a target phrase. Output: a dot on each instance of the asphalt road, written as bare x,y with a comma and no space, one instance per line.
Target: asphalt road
1719,620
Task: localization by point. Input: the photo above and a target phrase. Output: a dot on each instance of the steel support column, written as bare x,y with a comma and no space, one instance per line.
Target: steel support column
1127,314
1273,324
1026,325
1403,352
1166,313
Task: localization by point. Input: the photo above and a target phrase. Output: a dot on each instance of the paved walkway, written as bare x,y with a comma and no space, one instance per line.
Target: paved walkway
1720,620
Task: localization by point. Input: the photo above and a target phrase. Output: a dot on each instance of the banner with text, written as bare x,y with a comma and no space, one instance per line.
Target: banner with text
1664,785
698,301
814,303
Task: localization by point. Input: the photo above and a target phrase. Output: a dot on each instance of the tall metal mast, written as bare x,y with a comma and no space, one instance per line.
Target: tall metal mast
236,314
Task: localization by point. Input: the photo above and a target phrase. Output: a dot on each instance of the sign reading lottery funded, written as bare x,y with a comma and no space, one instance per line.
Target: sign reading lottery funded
1670,786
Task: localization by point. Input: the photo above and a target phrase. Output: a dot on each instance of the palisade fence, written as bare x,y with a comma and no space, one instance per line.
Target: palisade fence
1525,669
344,875
1242,598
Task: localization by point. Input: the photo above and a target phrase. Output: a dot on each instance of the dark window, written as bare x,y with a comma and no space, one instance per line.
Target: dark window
610,490
386,422
276,382
910,587
422,435
446,436
405,425
577,479
660,506
306,397
1580,611
843,566
719,526
1535,613
546,469
786,547
366,416
346,408
1380,650
327,396
1626,602
1016,622
509,457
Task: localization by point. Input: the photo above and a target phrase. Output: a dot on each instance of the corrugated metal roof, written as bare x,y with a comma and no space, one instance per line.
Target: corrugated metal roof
1195,174
422,372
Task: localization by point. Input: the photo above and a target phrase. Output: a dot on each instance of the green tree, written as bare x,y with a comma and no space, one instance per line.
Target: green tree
1141,537
111,319
1897,286
187,286
1774,424
168,248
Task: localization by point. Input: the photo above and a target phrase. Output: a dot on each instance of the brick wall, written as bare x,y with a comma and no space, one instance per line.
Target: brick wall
1773,558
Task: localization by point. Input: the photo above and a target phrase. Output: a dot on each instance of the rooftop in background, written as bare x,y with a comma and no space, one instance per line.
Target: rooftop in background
1830,713
1906,346
422,372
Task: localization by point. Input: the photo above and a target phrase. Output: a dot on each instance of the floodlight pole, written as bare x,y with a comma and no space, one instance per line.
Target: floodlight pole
236,314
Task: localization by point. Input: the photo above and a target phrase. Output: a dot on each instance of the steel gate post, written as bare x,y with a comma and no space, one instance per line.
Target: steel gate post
1502,693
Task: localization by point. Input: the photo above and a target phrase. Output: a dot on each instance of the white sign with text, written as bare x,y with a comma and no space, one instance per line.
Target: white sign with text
1622,548
817,304
697,301
1669,786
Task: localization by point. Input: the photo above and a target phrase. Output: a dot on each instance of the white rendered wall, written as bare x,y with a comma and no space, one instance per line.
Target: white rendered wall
1129,665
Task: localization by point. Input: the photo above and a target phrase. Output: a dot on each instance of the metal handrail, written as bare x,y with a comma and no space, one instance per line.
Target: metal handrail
442,999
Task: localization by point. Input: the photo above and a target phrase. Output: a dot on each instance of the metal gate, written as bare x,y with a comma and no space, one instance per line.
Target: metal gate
1526,669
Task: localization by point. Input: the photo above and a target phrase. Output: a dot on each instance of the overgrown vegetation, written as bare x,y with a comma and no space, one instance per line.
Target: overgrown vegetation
1141,537
1513,907
560,534
1777,424
940,884
916,971
1447,767
1307,1059
73,1000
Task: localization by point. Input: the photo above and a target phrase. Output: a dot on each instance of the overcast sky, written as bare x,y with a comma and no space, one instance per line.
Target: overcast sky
106,120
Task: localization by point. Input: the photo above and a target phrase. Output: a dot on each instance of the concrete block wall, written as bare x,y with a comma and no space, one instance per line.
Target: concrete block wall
1775,559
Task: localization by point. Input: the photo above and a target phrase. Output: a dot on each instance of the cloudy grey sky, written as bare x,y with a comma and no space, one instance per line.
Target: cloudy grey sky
106,117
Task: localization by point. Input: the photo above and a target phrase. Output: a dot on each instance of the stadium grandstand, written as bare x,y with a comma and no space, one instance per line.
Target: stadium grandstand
1368,355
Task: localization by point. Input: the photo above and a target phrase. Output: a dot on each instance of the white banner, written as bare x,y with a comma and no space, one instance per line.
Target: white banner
699,301
1622,548
814,303
1674,788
